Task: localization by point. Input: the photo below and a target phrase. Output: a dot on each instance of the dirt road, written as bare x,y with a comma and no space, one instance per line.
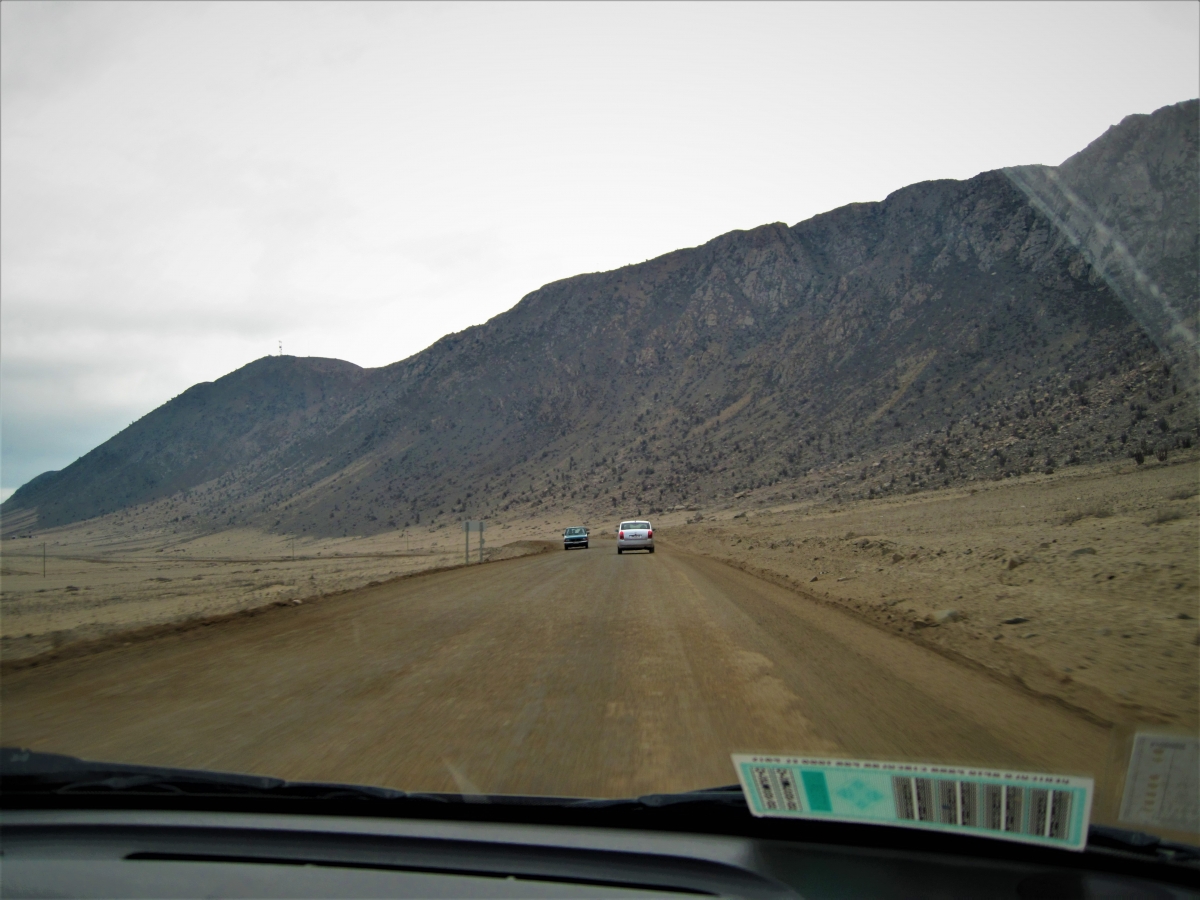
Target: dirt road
582,673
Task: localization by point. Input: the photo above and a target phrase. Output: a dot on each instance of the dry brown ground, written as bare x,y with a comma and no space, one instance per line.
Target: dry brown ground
103,579
1097,570
1103,564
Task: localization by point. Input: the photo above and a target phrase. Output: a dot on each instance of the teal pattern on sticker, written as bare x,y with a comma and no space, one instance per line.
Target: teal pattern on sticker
860,795
817,791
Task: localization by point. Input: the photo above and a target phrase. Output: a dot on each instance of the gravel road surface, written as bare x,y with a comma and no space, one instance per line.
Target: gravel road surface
580,673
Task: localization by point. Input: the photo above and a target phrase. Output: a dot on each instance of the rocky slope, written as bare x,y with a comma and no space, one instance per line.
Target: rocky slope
204,434
1123,201
954,331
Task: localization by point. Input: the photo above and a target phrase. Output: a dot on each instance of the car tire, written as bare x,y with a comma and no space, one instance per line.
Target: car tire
651,549
619,551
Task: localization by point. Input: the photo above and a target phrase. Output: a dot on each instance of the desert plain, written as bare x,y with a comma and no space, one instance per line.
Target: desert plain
1083,585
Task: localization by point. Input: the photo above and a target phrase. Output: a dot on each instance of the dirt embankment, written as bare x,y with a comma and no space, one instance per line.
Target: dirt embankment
1084,586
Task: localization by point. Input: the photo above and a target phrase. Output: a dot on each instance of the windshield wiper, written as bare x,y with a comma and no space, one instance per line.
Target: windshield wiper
727,795
28,772
1141,843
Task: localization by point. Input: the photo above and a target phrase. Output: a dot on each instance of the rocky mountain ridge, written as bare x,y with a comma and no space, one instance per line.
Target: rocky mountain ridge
1014,322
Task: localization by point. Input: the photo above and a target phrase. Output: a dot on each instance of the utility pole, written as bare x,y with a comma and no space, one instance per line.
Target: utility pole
43,559
468,527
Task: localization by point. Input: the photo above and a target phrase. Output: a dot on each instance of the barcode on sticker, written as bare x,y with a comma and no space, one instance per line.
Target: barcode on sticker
777,789
1033,811
1016,806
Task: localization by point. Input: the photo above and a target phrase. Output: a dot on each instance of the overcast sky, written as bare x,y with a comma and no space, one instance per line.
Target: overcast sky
184,185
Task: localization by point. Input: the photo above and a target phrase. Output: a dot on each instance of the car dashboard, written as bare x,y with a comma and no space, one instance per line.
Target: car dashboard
197,853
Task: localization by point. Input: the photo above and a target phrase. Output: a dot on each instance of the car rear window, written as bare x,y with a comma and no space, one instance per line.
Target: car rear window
645,525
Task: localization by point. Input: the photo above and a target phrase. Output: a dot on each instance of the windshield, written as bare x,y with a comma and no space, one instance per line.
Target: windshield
322,321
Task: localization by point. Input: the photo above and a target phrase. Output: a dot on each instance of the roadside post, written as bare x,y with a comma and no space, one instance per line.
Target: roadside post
468,526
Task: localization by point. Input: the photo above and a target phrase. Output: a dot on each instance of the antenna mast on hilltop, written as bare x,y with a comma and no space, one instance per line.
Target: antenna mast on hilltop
281,348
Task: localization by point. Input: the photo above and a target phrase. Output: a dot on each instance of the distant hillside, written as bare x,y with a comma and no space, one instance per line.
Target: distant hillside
1017,321
203,434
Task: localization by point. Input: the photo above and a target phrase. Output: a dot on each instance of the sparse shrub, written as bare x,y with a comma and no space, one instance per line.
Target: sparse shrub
1092,510
1166,515
1139,457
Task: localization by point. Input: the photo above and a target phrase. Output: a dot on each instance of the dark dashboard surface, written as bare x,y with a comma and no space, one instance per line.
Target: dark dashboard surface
157,853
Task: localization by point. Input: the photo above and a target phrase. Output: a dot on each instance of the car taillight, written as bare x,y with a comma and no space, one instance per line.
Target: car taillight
649,534
621,535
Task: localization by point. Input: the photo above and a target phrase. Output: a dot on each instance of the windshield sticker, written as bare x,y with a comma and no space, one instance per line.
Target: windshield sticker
1028,807
1162,787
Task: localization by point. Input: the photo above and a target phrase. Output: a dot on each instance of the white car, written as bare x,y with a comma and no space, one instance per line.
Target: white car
635,535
